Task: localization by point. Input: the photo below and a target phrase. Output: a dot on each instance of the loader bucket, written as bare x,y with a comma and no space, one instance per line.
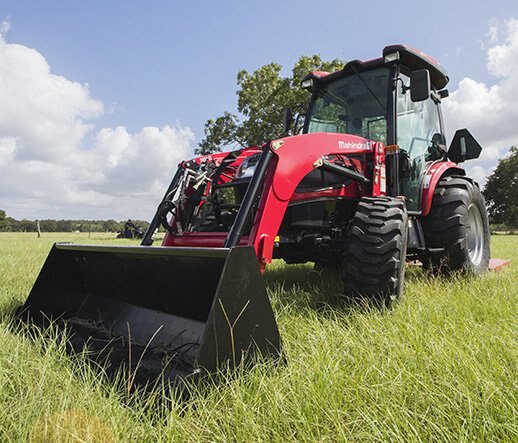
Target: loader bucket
157,312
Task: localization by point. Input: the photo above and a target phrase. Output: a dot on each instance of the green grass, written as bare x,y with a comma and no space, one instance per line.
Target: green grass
442,366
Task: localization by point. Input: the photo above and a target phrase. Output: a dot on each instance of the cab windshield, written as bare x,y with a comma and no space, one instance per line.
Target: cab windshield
356,104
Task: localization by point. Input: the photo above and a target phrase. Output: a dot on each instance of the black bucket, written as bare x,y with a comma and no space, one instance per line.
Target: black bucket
157,312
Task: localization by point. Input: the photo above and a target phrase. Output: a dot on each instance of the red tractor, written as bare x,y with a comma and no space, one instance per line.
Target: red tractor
367,185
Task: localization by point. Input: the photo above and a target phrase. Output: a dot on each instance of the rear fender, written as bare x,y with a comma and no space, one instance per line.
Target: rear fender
434,172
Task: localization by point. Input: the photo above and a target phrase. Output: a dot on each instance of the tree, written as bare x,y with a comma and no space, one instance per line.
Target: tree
111,226
262,97
48,225
27,226
3,220
64,226
501,191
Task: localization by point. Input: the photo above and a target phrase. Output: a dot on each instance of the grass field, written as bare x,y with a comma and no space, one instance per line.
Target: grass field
442,366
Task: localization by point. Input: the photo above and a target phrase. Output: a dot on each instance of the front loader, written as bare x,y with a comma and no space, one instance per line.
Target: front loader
367,185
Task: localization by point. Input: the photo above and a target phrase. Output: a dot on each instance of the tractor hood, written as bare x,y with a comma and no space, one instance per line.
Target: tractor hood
299,154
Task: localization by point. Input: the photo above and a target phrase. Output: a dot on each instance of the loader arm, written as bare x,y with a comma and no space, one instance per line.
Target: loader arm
295,157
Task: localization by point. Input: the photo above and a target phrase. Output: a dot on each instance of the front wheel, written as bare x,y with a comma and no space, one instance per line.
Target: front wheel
374,261
458,226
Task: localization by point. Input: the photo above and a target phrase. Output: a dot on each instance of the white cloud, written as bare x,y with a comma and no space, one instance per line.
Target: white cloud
4,27
490,112
47,168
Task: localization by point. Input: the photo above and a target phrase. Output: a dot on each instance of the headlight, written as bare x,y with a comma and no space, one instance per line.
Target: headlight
247,168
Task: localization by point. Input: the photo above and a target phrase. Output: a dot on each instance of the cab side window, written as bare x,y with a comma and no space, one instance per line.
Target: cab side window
418,128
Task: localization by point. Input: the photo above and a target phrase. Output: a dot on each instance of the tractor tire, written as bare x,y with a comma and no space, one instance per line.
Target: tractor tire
374,261
457,223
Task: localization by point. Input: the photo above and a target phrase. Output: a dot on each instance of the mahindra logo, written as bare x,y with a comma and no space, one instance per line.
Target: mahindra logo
364,146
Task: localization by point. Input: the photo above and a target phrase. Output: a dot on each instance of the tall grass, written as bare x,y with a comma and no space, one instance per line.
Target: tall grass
441,366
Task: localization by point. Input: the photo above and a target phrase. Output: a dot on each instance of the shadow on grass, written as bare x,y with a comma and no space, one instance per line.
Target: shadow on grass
301,287
53,345
416,273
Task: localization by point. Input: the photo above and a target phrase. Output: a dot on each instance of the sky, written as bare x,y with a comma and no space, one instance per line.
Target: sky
99,100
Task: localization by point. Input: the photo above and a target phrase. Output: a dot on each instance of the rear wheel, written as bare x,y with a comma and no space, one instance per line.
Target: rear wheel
374,261
458,224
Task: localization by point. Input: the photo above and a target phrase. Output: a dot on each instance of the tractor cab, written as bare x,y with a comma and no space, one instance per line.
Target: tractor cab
394,99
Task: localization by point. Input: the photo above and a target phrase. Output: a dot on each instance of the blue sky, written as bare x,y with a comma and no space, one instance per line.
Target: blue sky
170,65
163,61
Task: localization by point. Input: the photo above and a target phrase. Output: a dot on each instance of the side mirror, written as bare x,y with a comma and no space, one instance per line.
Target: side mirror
420,85
287,117
463,147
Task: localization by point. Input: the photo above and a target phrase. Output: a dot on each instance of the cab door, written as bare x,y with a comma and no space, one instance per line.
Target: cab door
418,132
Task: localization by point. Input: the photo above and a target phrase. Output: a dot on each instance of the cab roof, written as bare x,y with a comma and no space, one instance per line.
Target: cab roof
411,59
415,59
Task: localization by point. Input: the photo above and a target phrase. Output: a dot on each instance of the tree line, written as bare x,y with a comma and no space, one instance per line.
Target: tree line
501,192
9,224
